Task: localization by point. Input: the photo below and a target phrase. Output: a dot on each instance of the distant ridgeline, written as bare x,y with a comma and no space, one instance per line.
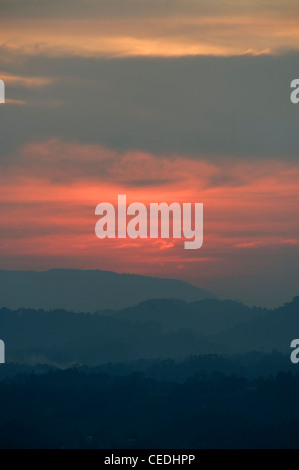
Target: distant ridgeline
155,329
88,290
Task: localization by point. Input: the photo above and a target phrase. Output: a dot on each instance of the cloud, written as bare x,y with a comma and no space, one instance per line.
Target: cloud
61,162
25,81
48,198
238,106
114,28
15,102
142,8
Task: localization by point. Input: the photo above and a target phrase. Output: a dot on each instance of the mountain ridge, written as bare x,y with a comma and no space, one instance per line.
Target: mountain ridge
89,290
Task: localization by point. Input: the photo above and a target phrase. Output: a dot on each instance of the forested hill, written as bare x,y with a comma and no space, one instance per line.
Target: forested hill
153,329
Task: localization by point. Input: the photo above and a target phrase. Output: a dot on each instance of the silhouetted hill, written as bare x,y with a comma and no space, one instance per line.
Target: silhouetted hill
63,338
87,291
78,410
154,329
209,316
274,329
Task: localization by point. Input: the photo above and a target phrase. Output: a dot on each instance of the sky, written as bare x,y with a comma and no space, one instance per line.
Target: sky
161,100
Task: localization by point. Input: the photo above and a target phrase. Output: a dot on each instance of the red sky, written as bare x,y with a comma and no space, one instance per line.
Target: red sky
162,101
47,211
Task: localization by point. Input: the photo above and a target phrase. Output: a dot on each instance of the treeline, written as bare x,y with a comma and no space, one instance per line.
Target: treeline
73,409
249,365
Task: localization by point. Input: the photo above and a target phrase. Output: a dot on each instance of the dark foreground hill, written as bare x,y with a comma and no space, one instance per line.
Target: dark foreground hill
72,409
88,290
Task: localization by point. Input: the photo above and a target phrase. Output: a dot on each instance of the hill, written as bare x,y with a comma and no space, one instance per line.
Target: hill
88,290
208,316
274,329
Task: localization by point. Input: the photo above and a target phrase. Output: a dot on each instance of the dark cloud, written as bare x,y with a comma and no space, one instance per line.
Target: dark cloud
136,8
150,182
238,106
